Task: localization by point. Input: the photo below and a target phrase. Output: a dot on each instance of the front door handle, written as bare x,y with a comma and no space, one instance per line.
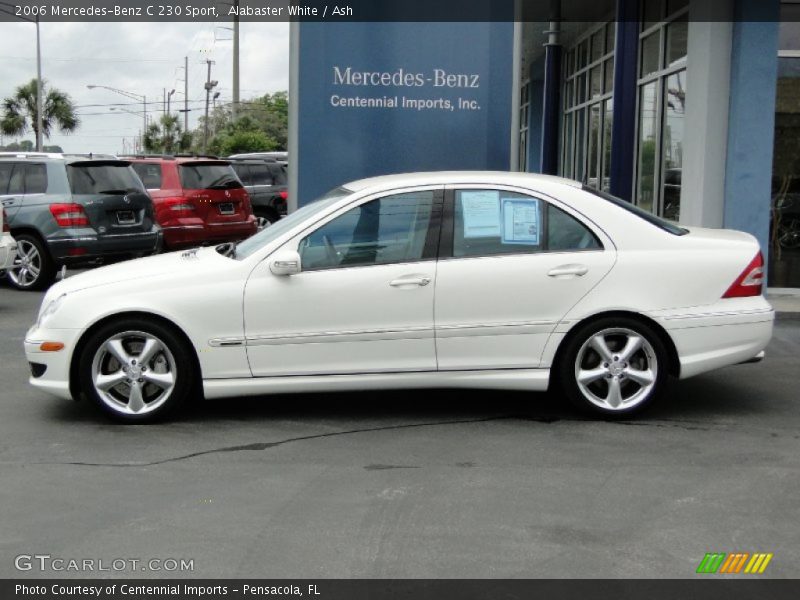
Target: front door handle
420,281
567,270
9,202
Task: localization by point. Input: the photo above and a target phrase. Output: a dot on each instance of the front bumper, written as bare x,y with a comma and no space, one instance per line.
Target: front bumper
8,251
54,366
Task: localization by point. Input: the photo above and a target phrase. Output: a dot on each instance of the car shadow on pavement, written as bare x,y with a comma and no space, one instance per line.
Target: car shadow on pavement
704,399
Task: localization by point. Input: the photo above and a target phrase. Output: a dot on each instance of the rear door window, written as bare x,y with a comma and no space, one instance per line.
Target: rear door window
261,175
208,176
5,176
102,178
150,174
35,179
16,184
492,222
243,171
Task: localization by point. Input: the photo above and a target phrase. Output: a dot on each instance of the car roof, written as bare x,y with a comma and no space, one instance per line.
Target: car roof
457,177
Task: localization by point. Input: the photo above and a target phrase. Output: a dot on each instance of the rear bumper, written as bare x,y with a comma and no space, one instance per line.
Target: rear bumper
194,234
82,244
726,333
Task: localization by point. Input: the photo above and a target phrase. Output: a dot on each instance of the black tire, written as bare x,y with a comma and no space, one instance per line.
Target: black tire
268,213
21,277
595,394
178,361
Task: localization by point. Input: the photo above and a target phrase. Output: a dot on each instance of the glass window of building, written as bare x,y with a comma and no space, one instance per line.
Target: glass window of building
586,124
784,252
661,106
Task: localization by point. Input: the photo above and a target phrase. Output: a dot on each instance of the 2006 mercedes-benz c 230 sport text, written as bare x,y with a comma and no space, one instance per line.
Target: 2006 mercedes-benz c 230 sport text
474,280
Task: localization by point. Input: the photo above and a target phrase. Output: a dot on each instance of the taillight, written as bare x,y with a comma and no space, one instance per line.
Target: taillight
179,207
749,282
284,194
69,215
6,228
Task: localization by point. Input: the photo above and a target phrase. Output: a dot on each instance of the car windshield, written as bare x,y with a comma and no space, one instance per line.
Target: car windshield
96,178
274,231
668,226
208,176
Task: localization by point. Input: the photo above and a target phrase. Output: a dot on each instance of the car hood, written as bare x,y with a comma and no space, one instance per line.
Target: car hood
173,265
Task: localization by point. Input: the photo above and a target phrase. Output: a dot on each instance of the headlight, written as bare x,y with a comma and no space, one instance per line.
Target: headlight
49,310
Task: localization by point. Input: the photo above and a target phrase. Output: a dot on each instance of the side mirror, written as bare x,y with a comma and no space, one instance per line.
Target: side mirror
285,262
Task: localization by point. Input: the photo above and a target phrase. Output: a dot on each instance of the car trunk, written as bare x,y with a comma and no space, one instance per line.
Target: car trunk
111,197
215,191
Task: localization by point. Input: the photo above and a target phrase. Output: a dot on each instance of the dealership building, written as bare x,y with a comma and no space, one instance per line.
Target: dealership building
688,108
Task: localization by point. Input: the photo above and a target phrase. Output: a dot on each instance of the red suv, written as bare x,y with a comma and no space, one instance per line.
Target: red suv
196,200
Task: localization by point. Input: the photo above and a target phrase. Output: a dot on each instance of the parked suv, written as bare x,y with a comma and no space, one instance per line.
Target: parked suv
8,247
197,200
67,209
265,181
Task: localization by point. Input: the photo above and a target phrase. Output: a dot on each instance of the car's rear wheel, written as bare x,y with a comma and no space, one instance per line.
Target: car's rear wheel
614,367
136,370
265,216
33,268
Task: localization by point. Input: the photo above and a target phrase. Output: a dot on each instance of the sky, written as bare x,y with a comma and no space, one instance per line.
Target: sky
142,58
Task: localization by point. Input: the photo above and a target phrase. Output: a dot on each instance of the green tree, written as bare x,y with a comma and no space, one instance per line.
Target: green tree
243,135
19,111
167,136
266,116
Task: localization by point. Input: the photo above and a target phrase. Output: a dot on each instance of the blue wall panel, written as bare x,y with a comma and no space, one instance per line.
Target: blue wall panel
338,144
751,118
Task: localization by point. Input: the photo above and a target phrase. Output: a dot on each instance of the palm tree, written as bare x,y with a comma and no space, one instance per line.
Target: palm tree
166,136
19,111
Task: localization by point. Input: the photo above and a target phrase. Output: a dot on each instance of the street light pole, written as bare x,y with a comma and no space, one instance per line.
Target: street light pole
132,95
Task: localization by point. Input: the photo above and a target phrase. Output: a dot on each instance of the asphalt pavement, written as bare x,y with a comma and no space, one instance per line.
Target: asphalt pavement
404,484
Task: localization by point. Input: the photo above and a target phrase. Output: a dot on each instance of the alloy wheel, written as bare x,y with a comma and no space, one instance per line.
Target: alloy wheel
27,266
616,369
134,373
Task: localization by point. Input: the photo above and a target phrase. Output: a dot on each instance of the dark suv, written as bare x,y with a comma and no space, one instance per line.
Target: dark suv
68,209
265,181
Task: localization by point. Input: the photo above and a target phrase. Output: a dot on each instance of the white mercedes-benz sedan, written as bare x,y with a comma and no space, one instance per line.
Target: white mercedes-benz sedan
471,280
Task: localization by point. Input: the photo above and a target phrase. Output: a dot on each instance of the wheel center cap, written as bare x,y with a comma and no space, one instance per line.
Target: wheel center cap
616,368
135,372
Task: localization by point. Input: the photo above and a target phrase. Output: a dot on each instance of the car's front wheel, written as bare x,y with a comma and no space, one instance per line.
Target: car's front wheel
136,370
614,367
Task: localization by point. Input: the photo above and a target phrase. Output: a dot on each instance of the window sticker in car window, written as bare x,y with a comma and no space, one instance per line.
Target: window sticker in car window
481,210
521,221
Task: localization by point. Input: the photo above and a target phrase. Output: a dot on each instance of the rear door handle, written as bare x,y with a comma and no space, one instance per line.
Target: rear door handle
420,281
9,202
567,270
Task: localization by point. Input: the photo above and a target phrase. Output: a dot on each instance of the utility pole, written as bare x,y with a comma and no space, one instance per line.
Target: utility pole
210,85
169,102
186,93
235,105
39,90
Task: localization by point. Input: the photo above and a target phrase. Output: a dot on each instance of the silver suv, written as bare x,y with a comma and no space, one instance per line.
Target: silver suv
64,209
